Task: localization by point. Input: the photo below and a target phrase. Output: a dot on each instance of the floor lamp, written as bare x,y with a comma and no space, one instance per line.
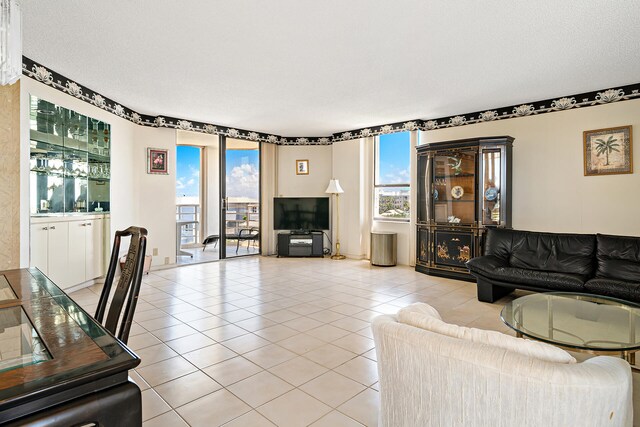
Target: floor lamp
334,188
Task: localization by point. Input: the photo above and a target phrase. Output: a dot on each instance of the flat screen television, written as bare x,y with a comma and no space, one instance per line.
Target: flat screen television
300,213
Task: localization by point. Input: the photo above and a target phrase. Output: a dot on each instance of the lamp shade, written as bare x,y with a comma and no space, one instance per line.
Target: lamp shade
334,187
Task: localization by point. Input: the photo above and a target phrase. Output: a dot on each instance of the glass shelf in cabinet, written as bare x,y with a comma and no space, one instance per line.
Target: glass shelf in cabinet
48,173
46,138
76,145
459,175
98,158
454,224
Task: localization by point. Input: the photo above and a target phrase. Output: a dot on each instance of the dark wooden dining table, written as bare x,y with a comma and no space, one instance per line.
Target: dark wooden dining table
58,366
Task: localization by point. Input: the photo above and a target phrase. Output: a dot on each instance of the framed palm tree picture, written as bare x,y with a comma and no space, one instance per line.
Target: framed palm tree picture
608,151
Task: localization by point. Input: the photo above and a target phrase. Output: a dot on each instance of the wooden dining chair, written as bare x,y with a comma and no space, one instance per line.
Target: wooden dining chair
128,287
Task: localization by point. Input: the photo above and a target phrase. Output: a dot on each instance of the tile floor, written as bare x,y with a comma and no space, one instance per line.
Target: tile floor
263,341
211,253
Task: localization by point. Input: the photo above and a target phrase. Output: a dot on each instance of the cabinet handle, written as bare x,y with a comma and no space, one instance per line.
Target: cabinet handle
53,227
84,224
89,224
45,228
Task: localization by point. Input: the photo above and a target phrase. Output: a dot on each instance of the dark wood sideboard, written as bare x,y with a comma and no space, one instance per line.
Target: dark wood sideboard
58,366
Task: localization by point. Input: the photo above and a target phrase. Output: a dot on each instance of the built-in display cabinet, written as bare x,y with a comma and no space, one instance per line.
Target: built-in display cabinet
464,187
70,171
69,160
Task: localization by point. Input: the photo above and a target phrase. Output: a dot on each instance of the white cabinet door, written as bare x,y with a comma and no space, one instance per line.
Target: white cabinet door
77,252
57,245
39,249
94,266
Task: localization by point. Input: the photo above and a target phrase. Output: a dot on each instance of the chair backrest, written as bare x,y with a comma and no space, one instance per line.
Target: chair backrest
128,283
252,233
430,379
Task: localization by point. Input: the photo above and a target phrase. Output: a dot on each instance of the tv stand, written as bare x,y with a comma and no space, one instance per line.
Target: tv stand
300,244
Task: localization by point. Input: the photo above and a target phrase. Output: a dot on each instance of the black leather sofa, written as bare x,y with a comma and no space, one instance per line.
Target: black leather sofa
589,263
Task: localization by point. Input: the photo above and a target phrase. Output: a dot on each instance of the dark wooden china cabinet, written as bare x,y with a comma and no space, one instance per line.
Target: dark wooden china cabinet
464,187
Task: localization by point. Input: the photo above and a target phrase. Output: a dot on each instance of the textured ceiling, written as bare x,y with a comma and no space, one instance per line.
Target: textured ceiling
313,68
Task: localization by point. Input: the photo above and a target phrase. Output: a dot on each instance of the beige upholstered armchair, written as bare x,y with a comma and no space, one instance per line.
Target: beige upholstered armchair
437,374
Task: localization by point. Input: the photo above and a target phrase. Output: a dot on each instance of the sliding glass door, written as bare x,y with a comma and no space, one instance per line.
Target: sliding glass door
240,197
188,201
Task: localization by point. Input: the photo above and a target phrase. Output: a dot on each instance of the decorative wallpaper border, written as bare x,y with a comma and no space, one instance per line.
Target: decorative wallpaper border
51,78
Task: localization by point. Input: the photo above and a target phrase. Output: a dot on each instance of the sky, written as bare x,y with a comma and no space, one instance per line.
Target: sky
242,173
243,176
188,171
395,152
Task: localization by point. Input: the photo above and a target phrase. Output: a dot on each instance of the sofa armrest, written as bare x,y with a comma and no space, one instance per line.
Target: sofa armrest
485,265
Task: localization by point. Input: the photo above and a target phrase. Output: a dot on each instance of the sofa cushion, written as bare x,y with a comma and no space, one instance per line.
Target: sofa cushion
619,258
418,316
490,267
498,242
622,289
566,253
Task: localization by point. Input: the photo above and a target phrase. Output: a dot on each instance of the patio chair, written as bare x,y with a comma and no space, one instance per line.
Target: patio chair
247,234
213,238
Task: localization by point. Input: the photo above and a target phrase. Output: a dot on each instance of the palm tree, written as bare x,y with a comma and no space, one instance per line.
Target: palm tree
606,147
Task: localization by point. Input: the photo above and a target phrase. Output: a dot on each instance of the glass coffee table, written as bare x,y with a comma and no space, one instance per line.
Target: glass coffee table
577,322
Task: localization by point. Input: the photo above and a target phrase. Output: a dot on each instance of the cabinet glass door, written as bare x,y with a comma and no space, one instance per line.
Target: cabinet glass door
69,161
76,167
424,187
491,185
454,187
99,148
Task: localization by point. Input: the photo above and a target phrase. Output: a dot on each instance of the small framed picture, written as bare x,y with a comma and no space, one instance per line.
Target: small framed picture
157,161
302,167
608,151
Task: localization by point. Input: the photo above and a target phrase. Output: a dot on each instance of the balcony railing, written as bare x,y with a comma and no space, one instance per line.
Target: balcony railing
190,231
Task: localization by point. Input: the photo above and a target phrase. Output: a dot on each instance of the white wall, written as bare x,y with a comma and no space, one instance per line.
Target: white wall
349,167
136,197
351,162
550,191
157,193
312,185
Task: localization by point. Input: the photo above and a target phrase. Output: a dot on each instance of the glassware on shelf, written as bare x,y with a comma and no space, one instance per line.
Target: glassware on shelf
67,150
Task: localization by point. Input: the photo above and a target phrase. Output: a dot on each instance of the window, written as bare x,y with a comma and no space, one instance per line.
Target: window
391,179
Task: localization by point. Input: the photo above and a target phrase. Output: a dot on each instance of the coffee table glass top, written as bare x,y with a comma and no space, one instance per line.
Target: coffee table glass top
574,320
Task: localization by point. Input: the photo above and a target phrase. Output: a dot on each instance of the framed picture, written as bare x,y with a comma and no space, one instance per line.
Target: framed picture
158,161
302,167
608,151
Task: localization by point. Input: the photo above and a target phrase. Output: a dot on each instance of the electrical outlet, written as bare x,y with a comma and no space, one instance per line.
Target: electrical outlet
166,260
155,251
